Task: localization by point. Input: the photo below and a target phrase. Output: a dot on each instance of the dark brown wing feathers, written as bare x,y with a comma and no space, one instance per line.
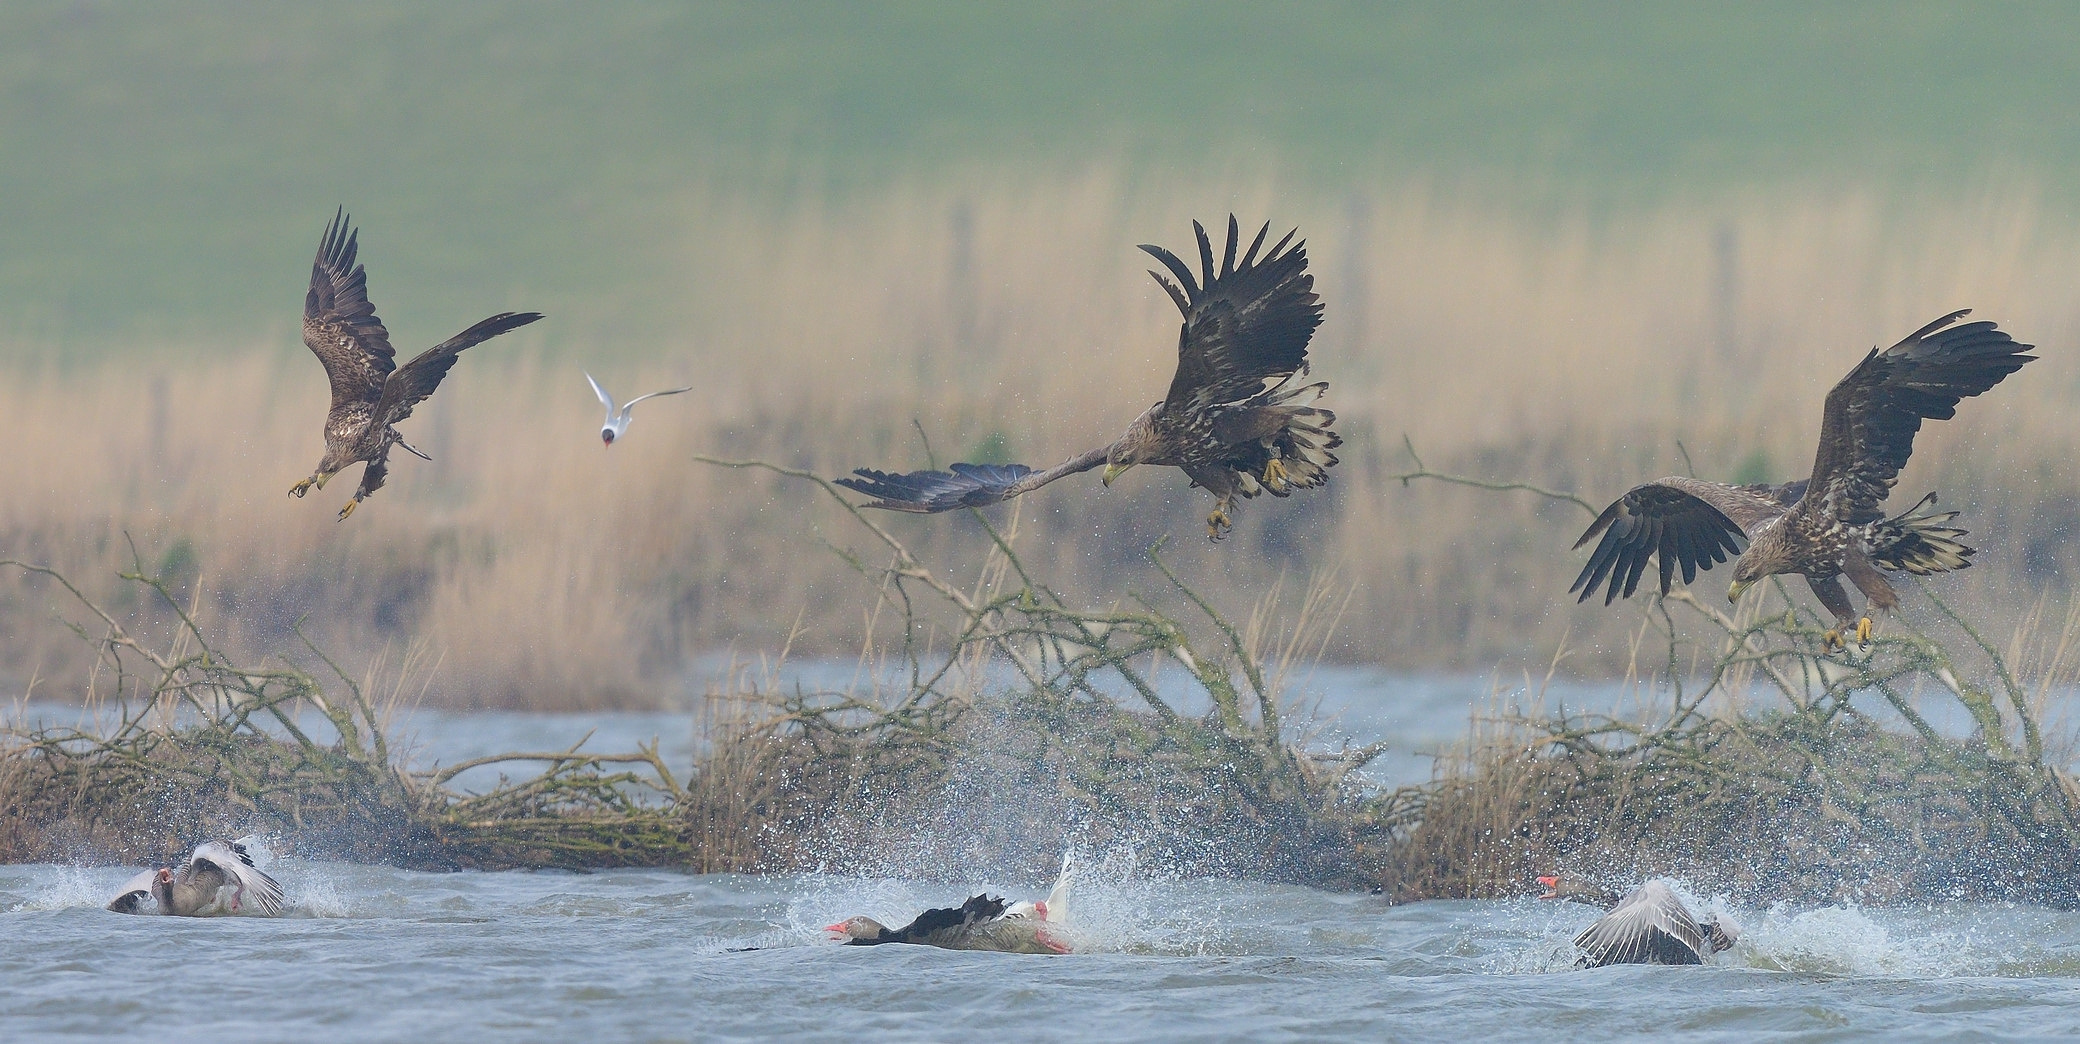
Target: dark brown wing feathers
1688,524
962,485
1247,322
417,379
339,324
1872,415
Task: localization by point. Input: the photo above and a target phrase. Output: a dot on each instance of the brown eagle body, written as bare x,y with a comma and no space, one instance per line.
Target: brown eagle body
1829,525
1232,420
370,392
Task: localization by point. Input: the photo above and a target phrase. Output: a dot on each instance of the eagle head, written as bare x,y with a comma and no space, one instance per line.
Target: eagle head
1137,446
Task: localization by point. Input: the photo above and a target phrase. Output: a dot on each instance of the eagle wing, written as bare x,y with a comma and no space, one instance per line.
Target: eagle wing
1687,522
340,325
1650,926
417,379
1867,432
1244,325
961,485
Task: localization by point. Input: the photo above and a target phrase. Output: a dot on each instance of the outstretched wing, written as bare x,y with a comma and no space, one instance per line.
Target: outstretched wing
411,384
1245,324
229,858
1651,926
1868,430
1687,522
340,325
962,485
605,399
133,893
655,394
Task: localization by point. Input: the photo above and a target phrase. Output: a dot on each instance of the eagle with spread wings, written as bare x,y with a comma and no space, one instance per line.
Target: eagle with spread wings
1830,524
370,392
1233,420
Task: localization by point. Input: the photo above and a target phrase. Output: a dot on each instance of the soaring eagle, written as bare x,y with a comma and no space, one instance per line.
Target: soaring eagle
369,391
1233,420
1829,525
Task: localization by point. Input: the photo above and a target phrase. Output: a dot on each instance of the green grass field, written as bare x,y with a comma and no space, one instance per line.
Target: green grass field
168,167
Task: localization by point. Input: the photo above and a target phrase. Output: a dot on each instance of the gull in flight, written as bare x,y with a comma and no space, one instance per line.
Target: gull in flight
616,424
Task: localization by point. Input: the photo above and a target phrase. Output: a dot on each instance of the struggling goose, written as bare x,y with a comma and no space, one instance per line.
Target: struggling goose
982,923
218,878
1649,925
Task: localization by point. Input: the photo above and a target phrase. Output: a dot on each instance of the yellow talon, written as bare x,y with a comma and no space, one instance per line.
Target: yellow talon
1275,474
1218,524
348,510
1863,631
1831,640
299,489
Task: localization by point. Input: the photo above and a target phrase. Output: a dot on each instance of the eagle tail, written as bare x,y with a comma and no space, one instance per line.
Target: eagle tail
1920,540
1305,446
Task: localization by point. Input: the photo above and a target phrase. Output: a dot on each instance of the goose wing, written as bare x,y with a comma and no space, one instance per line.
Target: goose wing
133,893
229,863
1650,926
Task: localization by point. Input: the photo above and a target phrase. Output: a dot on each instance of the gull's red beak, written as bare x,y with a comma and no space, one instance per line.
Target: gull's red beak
1552,887
165,875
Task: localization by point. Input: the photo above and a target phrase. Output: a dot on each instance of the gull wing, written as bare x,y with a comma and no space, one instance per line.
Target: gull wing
673,391
605,399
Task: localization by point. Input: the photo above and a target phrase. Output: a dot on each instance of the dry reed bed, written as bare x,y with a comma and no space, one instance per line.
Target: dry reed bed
1775,773
543,572
1033,724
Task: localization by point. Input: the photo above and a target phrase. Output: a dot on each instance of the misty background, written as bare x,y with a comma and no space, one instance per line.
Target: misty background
1580,245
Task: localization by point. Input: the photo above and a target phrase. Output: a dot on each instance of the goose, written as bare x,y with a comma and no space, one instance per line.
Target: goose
616,424
218,878
1649,925
982,923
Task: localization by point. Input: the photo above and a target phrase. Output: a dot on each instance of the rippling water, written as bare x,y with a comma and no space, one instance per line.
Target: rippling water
371,953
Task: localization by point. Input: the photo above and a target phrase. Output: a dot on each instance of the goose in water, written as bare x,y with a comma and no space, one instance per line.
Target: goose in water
616,424
1649,925
982,923
218,878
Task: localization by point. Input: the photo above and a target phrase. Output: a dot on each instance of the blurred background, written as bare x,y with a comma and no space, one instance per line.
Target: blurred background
1581,245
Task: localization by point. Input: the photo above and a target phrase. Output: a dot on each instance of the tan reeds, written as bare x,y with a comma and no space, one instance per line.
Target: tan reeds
1591,349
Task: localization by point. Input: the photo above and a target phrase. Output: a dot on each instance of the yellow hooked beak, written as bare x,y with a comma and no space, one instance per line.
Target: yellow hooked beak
1734,590
1113,471
324,477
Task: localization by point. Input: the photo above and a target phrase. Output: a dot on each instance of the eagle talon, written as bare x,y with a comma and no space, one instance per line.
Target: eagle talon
1217,525
348,510
1863,631
1831,640
1275,474
299,489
